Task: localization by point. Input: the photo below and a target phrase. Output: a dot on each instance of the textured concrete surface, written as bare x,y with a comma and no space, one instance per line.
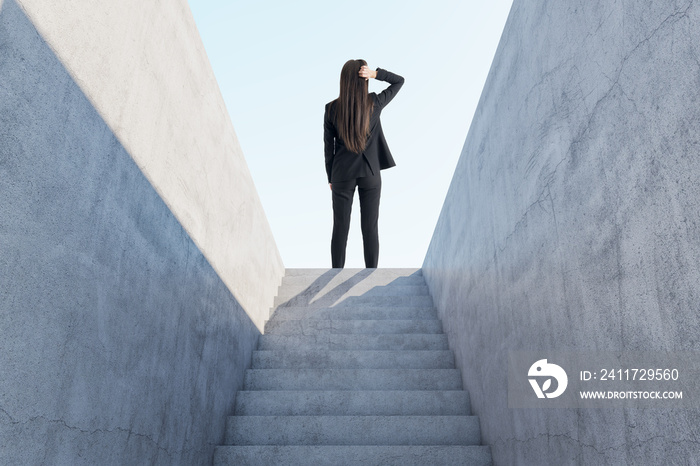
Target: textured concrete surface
360,312
339,455
353,379
352,341
120,343
144,68
328,326
572,221
352,403
352,430
386,359
349,387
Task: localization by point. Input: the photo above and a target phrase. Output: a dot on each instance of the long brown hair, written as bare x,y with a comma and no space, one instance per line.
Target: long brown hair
353,107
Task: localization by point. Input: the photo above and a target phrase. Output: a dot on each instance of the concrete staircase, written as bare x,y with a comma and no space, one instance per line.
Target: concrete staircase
353,369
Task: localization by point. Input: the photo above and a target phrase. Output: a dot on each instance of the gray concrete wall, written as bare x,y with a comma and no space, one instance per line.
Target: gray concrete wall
144,68
128,313
572,220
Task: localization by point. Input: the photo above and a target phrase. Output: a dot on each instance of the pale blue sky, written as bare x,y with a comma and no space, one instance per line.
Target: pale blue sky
278,63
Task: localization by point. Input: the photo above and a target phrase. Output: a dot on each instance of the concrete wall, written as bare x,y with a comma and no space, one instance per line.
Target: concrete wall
128,313
144,68
572,220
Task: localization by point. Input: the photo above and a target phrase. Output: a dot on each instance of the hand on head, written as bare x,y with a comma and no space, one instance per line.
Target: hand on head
366,73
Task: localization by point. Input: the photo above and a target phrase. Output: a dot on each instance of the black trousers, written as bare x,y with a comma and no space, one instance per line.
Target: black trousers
369,189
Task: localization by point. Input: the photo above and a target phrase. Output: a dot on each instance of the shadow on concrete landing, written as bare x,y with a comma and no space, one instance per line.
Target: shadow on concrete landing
306,296
327,288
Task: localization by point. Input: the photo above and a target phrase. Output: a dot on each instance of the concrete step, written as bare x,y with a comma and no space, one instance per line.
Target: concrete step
355,313
398,271
391,290
341,455
298,287
377,300
298,296
352,379
416,288
371,289
353,359
353,403
352,430
333,281
379,276
393,341
332,326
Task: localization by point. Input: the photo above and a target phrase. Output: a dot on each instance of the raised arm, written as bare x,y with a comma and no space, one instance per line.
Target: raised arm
390,92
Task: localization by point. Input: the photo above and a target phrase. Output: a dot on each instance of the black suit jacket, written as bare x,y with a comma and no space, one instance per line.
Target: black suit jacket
341,163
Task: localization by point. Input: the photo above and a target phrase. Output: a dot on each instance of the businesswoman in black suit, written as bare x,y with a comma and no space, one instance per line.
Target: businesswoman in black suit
355,152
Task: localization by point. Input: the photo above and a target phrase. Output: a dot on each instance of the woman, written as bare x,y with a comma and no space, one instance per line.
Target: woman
355,152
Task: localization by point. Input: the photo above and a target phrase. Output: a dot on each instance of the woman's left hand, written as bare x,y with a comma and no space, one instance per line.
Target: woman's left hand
366,73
